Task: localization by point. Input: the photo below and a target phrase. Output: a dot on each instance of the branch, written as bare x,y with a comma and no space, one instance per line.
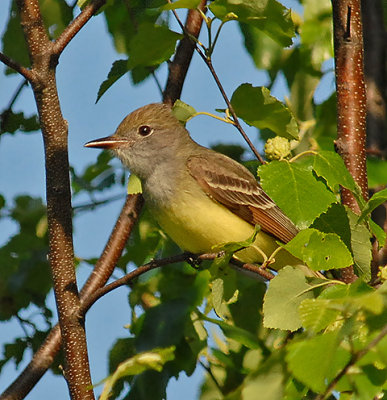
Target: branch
351,100
179,67
6,113
192,259
27,73
59,212
104,267
76,25
354,359
207,60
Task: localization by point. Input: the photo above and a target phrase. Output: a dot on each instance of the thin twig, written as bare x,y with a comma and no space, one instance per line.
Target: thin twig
27,73
187,257
92,205
5,114
208,62
354,359
178,68
76,25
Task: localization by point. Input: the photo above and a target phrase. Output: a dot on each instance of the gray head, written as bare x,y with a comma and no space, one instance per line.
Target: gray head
146,138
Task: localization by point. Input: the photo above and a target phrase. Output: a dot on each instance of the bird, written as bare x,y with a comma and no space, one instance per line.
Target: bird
201,199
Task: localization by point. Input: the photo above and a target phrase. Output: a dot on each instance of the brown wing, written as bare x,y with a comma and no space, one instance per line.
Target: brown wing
235,187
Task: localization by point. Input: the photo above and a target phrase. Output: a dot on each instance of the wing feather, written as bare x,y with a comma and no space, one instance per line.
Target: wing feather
232,185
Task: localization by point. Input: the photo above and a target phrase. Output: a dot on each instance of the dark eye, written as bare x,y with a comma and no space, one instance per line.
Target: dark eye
145,130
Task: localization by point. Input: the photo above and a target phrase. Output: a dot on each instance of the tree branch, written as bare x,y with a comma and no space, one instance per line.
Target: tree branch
354,359
207,60
59,213
4,116
187,257
351,100
179,67
27,73
104,267
76,25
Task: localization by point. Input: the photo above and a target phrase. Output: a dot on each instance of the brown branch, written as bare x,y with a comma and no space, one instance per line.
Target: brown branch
4,116
231,108
27,73
76,25
104,267
61,251
354,359
179,67
351,100
187,257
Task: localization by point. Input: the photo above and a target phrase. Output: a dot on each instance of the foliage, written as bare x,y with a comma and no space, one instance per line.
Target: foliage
288,340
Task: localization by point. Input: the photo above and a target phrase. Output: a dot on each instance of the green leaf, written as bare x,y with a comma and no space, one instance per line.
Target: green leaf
324,130
330,166
123,19
163,325
269,16
335,220
134,184
152,45
266,53
311,361
319,250
233,332
316,31
283,298
258,108
24,270
183,111
12,122
154,359
181,4
14,44
376,172
268,382
375,201
379,233
57,14
303,79
356,237
290,186
118,69
354,297
317,314
361,246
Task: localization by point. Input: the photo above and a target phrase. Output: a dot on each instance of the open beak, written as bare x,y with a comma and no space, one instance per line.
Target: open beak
109,142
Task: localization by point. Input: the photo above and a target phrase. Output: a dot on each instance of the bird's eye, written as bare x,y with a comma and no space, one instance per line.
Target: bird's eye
145,130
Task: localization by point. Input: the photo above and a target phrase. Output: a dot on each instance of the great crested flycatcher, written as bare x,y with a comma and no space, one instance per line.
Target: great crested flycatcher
199,197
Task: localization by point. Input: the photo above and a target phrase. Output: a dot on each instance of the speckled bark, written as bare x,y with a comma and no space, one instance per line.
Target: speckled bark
61,255
351,99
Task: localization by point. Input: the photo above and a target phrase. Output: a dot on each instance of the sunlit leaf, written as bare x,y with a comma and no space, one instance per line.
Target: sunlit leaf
285,294
258,108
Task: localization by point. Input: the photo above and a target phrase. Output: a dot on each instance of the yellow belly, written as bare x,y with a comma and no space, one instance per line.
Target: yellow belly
196,223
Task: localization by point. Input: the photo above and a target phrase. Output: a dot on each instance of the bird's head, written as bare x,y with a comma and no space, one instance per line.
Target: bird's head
145,138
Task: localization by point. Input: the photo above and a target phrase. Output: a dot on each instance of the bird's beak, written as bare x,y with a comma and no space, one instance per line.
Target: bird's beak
109,142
